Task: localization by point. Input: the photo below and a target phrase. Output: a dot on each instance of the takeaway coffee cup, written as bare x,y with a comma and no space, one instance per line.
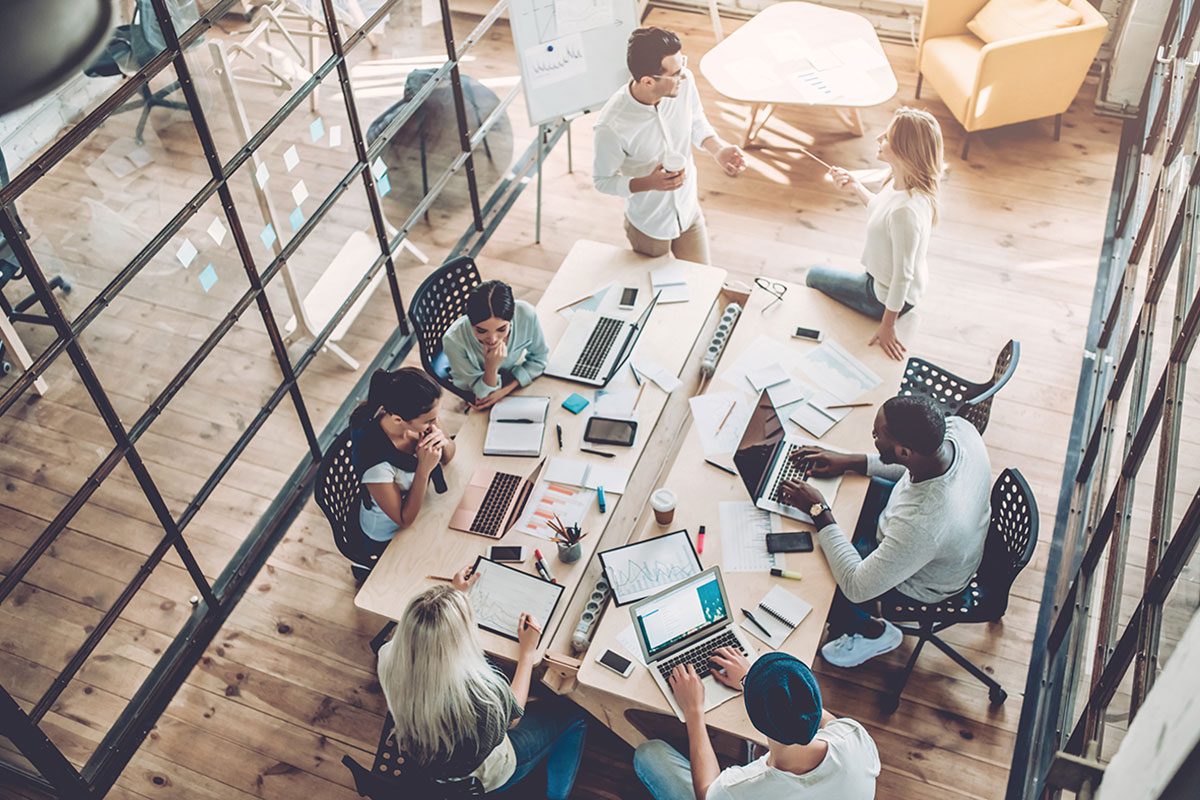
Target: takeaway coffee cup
663,503
674,162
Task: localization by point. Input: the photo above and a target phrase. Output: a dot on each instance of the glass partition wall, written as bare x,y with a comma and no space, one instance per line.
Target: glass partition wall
1123,579
218,251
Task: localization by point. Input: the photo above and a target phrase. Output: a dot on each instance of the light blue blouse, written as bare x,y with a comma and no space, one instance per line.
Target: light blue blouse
527,351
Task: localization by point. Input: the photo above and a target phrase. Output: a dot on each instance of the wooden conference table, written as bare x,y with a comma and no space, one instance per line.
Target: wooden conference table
801,54
700,488
430,548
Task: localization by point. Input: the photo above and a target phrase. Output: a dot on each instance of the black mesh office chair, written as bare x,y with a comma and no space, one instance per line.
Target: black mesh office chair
389,779
439,300
338,491
958,396
1011,539
131,48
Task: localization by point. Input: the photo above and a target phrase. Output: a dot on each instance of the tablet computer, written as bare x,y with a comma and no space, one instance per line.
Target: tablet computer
647,567
502,593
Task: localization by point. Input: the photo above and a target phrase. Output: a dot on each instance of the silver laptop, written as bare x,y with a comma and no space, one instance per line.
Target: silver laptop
763,460
683,625
595,346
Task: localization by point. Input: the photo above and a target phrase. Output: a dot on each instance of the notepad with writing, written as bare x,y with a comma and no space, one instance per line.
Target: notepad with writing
780,612
516,427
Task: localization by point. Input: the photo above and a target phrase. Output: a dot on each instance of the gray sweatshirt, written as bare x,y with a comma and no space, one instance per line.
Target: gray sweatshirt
930,535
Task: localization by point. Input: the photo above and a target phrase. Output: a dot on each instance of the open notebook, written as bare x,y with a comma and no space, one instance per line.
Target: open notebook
780,612
516,427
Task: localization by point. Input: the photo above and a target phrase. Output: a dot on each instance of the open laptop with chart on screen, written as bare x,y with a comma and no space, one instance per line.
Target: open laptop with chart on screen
683,625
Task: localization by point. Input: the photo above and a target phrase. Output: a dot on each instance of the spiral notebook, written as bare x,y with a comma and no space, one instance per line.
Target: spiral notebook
780,612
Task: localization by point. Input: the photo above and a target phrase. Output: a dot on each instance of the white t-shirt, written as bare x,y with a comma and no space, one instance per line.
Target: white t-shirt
374,521
848,772
898,228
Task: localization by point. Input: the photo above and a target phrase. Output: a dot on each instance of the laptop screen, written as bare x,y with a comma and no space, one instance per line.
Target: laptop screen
691,606
762,437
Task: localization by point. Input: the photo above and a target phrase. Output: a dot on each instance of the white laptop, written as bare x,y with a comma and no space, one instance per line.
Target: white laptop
763,460
684,624
595,346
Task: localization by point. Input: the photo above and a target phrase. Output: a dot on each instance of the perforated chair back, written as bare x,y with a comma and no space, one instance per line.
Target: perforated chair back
439,300
338,491
1011,540
389,778
959,396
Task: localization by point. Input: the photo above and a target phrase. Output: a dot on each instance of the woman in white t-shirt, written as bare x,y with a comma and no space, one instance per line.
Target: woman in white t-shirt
899,220
397,447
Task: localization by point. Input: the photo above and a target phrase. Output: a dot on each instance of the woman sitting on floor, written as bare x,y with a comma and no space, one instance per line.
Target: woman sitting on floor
497,346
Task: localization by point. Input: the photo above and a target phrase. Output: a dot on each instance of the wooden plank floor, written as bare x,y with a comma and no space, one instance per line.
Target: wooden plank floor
288,686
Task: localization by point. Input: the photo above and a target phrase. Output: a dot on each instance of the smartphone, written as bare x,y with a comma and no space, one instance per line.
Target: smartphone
808,333
602,430
628,298
797,542
503,554
617,663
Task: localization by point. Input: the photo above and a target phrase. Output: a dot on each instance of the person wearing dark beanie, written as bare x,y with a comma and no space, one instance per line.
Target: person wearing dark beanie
812,755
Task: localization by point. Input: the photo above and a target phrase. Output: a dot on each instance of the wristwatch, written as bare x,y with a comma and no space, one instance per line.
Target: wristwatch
818,509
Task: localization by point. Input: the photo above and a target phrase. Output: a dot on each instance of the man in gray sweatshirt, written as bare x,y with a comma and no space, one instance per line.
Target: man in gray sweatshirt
921,530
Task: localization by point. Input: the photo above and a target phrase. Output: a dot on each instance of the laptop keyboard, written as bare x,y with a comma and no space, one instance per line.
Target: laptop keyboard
596,350
490,515
792,471
698,656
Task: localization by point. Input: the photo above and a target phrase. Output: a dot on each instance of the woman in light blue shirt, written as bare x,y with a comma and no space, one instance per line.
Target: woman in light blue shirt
497,346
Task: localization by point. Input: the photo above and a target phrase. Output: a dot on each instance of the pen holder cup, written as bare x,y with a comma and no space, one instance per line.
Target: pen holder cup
570,553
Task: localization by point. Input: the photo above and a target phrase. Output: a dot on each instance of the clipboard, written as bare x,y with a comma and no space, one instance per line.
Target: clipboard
626,569
503,592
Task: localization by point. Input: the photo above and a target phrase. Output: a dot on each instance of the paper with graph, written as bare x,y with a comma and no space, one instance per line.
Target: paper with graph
744,529
551,500
576,16
502,593
833,369
557,60
644,568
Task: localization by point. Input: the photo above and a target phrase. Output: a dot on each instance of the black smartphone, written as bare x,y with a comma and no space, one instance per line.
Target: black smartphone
602,430
808,333
797,542
628,297
617,663
506,554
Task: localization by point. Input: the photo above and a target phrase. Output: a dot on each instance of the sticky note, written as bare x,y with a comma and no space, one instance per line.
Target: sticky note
378,168
216,230
140,157
267,236
208,277
335,135
317,129
299,192
575,403
291,158
296,218
261,174
384,185
186,253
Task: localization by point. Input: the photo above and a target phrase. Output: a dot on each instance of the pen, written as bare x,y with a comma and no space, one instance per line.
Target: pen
540,564
776,616
600,499
636,376
757,624
522,421
559,429
850,405
596,452
721,467
700,540
784,573
439,578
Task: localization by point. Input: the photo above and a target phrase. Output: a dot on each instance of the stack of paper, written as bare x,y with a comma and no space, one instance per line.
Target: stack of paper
517,427
671,281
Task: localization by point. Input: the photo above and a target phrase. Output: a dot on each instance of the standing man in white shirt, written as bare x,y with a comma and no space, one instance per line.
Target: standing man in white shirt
654,119
811,754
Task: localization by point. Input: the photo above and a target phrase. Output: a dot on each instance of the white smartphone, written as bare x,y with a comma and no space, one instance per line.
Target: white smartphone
628,298
506,554
617,663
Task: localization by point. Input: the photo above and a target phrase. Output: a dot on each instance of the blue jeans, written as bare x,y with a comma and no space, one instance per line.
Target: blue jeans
853,289
664,771
844,616
553,730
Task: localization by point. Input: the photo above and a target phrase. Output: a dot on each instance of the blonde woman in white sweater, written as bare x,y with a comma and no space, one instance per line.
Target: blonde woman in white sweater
899,220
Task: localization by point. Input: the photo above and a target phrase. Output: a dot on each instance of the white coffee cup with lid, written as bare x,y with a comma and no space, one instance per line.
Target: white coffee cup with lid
673,162
663,502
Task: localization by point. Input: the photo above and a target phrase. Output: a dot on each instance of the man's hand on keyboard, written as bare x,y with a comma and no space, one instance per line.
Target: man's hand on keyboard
731,667
689,691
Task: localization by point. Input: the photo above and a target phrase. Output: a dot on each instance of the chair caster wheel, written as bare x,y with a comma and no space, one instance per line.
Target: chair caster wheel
997,696
66,287
5,368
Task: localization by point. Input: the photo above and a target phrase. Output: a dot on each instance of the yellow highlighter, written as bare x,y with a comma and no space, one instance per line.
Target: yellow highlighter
786,573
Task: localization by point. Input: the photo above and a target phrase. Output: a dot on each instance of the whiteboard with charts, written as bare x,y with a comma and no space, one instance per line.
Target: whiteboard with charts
572,53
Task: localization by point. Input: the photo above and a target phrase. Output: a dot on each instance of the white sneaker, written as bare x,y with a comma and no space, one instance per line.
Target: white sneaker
850,650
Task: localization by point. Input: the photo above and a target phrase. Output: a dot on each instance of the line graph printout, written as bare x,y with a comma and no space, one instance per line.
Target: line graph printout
744,529
644,568
833,369
502,593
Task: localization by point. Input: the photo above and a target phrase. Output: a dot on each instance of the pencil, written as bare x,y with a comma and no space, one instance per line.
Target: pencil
849,405
438,578
638,399
810,155
725,418
574,302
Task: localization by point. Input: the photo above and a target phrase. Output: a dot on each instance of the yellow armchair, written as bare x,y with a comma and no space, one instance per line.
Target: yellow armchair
1012,80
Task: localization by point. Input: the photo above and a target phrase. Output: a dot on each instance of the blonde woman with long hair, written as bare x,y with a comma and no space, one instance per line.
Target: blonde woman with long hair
899,220
456,715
